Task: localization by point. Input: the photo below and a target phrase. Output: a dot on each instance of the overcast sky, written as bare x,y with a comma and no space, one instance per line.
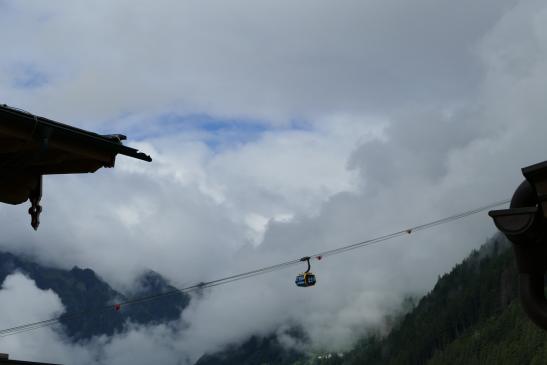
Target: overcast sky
277,129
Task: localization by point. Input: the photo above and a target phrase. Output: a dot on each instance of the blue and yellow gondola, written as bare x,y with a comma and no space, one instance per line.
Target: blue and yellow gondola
306,278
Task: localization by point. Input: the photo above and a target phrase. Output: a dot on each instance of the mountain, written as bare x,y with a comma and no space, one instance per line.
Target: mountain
82,290
256,350
477,291
471,316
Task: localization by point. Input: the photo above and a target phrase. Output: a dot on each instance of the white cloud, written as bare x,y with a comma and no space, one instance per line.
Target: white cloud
411,112
23,302
274,61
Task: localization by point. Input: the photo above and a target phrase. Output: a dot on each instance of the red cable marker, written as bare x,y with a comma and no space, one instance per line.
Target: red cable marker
117,307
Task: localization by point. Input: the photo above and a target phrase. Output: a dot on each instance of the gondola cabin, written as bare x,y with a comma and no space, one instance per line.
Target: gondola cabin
305,279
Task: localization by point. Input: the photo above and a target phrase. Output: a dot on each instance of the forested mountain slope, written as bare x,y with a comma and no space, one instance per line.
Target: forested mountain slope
81,290
477,292
257,350
471,316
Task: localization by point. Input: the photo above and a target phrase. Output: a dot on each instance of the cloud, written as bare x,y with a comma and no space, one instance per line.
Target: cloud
190,210
23,302
430,162
370,117
272,61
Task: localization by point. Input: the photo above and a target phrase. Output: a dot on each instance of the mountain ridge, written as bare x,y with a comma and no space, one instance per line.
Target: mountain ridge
471,315
82,290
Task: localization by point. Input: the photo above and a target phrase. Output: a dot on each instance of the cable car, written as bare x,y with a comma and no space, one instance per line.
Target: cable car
306,278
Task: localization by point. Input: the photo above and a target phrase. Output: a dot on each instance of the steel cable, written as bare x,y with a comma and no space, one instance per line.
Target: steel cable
232,278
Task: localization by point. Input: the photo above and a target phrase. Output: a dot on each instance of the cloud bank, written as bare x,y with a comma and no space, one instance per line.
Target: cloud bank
278,130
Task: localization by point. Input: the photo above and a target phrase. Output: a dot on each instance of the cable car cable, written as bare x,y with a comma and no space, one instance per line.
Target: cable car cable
229,279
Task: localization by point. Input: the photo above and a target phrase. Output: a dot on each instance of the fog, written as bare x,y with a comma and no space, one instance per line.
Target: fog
277,130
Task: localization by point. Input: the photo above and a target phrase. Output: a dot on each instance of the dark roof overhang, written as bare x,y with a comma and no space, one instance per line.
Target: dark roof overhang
32,146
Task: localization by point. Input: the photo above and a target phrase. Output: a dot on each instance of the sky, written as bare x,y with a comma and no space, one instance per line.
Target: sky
277,129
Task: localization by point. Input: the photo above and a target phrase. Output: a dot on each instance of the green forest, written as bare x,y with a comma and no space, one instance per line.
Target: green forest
471,316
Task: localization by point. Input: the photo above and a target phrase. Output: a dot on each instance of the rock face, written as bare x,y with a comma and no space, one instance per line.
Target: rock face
81,290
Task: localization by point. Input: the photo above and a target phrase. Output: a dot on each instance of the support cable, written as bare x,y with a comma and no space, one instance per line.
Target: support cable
229,279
